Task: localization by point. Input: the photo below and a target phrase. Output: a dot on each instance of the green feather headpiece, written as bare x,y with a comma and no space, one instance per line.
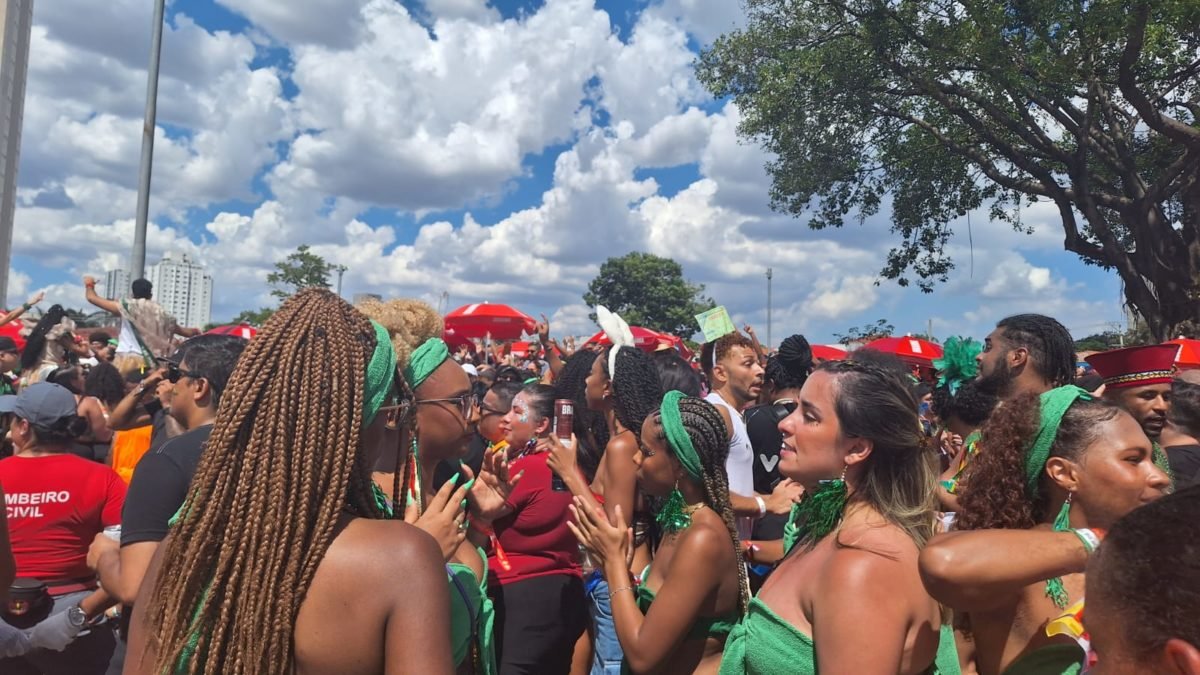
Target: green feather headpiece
957,364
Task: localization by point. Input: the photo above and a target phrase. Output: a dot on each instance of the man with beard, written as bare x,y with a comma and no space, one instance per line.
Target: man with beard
1026,354
1139,380
736,378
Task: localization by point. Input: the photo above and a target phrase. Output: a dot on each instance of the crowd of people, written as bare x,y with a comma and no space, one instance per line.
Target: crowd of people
344,493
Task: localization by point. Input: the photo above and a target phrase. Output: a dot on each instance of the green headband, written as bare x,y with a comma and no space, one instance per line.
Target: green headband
677,436
381,374
1054,405
424,360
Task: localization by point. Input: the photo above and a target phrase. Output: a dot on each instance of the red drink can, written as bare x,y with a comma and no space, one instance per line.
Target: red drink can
564,418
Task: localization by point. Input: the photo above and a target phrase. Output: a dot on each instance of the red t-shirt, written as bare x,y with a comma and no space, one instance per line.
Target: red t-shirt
534,538
56,504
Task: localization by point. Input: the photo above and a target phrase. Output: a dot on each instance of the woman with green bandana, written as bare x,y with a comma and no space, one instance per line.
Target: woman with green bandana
282,559
846,598
436,416
1058,470
675,616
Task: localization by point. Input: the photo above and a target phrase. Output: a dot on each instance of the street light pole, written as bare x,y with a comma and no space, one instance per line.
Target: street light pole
341,269
769,343
137,262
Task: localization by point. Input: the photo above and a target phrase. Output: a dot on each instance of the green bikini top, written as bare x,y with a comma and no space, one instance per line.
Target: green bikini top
471,617
704,627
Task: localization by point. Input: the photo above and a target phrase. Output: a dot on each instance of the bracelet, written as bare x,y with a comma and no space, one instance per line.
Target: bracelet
26,306
614,591
1089,538
762,506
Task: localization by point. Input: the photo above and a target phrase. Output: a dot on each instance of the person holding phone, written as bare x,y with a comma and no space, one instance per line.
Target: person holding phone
534,572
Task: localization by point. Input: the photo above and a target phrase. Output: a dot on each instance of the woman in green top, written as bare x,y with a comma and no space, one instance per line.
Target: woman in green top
674,619
436,423
1057,471
846,598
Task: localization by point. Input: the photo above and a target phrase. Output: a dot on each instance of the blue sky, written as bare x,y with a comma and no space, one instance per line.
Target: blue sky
491,151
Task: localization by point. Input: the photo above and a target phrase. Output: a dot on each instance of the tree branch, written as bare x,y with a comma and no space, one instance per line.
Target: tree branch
1127,81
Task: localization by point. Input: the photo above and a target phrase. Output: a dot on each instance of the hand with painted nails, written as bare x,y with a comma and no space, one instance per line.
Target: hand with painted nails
493,486
786,493
444,517
606,542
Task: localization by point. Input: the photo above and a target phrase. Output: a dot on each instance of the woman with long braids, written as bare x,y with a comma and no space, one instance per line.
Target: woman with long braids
847,598
437,427
624,387
675,617
51,345
282,560
1057,471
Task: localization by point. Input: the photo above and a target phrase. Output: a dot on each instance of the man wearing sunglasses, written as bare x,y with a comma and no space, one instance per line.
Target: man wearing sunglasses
198,372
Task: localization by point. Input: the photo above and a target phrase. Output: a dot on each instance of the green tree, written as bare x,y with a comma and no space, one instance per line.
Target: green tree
254,317
1098,342
648,291
301,269
871,331
942,107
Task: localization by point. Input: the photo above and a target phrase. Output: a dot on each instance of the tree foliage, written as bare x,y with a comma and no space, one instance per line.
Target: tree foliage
648,291
944,106
254,317
301,269
863,334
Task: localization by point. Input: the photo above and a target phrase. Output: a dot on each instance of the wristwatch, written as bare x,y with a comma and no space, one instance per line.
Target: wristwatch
77,616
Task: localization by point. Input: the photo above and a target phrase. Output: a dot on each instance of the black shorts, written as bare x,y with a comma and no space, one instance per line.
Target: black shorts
538,621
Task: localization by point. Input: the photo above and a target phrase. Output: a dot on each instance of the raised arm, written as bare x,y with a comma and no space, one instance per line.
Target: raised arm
128,414
549,347
981,570
16,313
110,306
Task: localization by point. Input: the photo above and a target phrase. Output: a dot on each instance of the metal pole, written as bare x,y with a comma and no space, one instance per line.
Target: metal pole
341,269
137,263
769,342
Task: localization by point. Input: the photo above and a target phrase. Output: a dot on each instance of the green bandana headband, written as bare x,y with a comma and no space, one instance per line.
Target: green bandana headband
424,361
677,436
1054,404
381,374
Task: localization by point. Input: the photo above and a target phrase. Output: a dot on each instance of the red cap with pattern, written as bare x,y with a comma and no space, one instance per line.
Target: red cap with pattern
1135,366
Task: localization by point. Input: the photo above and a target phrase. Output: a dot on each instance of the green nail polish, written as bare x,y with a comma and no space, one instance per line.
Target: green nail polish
464,504
468,484
454,479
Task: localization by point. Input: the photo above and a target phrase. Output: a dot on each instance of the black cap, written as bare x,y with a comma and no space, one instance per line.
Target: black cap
7,344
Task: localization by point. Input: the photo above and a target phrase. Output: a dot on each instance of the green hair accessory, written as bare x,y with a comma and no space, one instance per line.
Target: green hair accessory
1054,404
957,364
817,514
381,374
424,360
677,435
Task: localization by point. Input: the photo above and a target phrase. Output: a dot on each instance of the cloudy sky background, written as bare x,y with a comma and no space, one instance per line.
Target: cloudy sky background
489,150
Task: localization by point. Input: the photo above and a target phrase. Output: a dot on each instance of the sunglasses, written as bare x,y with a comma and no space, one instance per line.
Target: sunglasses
175,373
788,404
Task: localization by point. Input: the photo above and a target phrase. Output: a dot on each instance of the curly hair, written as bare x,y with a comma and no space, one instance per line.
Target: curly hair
711,353
710,437
284,461
591,431
971,404
994,492
897,479
637,391
104,382
409,322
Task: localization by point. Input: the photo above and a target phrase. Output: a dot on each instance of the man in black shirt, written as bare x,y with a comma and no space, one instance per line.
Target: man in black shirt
198,372
1181,437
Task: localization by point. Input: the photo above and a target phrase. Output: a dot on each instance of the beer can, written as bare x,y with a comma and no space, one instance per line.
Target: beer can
564,417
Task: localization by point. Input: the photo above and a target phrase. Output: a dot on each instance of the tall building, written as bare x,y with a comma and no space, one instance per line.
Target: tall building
16,18
116,284
183,288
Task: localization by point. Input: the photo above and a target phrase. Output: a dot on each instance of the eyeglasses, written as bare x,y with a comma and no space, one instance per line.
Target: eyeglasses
485,410
174,373
466,403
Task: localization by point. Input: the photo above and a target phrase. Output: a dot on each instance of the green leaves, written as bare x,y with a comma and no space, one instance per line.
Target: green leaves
648,291
302,269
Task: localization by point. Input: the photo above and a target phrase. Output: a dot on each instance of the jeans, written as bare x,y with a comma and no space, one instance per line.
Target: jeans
89,654
608,653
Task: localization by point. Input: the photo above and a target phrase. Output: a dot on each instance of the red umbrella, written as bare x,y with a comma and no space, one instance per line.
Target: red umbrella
911,349
13,330
484,318
1189,352
827,353
242,330
455,341
643,338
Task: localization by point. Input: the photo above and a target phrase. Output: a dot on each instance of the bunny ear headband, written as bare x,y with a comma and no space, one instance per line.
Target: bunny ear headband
618,332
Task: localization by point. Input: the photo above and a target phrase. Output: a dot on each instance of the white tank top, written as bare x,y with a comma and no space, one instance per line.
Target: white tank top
740,463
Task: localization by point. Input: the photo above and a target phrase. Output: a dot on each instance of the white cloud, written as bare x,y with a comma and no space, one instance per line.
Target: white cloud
335,23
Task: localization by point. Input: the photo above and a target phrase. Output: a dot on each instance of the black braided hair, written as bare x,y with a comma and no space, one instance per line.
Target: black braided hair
591,431
710,437
636,389
789,367
36,341
1051,349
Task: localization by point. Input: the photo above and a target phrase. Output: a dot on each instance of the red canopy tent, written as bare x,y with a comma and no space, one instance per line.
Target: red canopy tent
913,350
1189,352
13,330
827,353
484,318
242,330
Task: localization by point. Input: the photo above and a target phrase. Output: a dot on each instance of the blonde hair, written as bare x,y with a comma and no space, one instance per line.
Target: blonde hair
409,322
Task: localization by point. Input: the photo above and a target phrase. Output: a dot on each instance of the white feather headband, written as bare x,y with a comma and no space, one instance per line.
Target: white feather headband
618,332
